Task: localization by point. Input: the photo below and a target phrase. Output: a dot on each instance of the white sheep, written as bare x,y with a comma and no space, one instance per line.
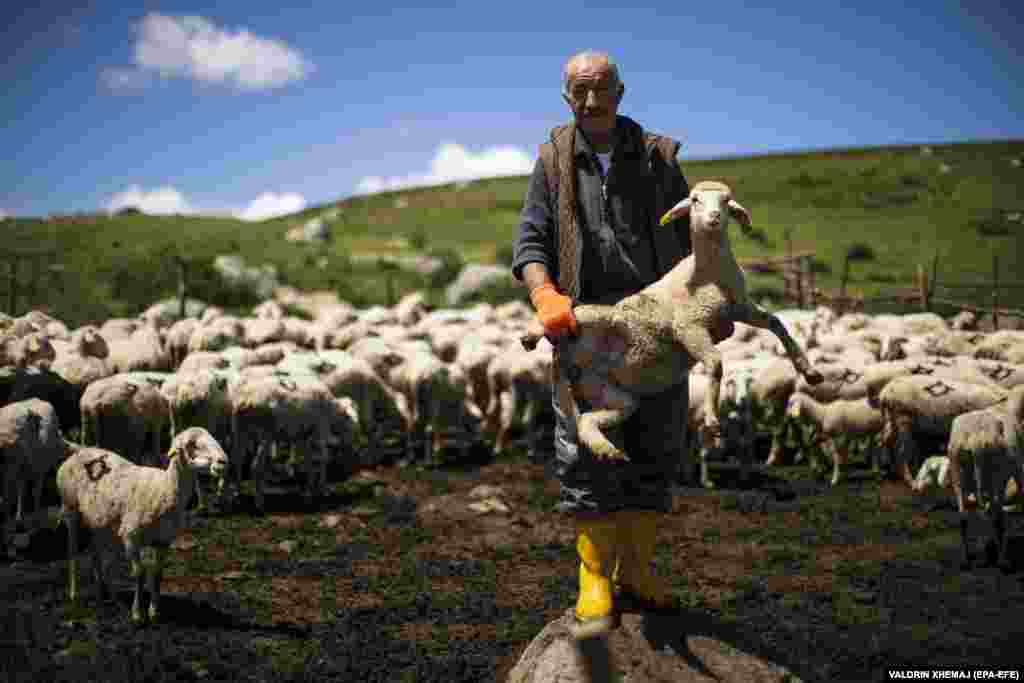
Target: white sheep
1002,345
33,349
85,358
648,342
121,412
201,399
375,404
31,444
736,408
270,406
921,407
132,506
142,350
518,387
848,418
436,404
992,438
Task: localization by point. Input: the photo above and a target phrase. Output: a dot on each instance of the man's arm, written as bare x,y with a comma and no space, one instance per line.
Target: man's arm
534,257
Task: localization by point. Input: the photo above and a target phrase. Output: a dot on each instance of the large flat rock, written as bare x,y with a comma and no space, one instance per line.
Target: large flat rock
683,648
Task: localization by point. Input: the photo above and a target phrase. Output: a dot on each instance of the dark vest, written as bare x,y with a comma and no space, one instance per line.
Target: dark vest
558,155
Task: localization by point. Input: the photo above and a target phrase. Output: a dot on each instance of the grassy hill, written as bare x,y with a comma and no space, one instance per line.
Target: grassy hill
957,203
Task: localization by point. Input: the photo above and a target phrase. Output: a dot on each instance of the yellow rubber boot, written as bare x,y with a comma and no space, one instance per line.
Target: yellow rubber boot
637,532
596,545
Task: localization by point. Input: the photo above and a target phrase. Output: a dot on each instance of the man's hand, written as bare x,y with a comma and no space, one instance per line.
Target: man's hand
554,310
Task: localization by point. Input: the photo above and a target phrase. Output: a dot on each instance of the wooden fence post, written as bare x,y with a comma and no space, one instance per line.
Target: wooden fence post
922,286
182,289
934,279
995,290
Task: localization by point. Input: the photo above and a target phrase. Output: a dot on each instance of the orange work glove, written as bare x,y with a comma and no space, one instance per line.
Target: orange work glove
554,310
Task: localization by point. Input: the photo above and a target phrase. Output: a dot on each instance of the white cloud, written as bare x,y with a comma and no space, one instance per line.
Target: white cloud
271,205
451,163
193,47
167,200
161,201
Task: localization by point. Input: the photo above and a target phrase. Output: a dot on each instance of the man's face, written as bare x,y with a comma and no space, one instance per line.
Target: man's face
594,96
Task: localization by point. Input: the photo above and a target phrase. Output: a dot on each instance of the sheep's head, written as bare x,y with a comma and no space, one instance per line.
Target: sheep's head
88,341
709,205
201,451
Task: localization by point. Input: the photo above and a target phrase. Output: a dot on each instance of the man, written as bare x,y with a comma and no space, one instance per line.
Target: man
589,234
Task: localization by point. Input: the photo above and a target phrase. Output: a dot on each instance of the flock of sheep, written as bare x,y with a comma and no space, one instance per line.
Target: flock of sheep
352,388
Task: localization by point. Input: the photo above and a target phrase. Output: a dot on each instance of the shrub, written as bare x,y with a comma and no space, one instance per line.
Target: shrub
504,254
805,179
451,266
129,211
418,239
819,266
860,252
994,224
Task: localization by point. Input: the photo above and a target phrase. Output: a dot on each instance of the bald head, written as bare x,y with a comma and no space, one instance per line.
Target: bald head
590,60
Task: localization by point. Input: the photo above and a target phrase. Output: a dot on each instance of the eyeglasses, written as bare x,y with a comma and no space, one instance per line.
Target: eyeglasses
602,92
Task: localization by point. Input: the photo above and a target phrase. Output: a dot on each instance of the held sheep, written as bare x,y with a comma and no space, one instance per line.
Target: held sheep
132,506
992,438
648,342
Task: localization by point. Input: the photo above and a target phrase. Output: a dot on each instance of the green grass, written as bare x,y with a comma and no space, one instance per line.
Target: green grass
894,200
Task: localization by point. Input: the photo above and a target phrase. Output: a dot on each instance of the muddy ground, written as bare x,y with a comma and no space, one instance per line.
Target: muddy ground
395,578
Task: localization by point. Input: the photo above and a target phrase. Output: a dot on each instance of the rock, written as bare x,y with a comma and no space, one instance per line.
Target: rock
489,505
261,280
684,648
331,521
485,491
474,277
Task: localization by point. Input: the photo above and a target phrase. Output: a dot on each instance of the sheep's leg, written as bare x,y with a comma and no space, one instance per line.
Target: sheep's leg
71,522
37,497
955,476
508,401
259,466
754,315
906,450
83,433
591,426
698,342
139,574
156,575
99,570
839,459
20,514
775,455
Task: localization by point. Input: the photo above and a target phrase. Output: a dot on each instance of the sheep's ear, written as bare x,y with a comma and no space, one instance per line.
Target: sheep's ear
677,211
741,215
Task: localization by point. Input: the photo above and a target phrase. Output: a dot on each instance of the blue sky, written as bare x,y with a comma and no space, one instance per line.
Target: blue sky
256,109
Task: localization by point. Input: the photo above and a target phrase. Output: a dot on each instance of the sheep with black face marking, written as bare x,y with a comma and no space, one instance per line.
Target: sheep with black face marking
992,439
133,507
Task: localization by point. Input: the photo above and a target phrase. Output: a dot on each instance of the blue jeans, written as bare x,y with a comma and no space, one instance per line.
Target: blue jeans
654,438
